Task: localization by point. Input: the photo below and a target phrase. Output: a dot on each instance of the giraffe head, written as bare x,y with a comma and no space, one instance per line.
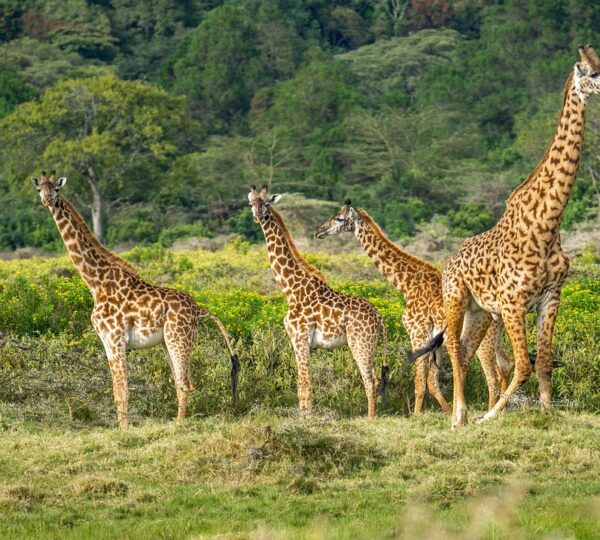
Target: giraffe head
260,202
48,187
587,73
342,221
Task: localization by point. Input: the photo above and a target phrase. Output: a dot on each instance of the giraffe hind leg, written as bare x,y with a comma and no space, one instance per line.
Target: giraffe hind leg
514,323
433,385
487,354
363,351
545,328
179,342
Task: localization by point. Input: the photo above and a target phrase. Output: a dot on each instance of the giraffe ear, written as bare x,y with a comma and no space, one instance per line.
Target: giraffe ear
35,181
60,182
273,199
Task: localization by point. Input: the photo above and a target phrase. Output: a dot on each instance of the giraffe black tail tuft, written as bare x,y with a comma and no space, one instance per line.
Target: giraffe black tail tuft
434,344
385,378
235,371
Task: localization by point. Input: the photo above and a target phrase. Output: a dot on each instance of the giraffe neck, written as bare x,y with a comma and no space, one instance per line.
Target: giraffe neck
91,259
400,268
543,197
287,271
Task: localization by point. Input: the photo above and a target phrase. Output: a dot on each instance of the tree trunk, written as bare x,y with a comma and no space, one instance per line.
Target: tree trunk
97,204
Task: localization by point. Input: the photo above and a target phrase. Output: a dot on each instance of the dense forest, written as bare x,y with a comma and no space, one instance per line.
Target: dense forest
162,113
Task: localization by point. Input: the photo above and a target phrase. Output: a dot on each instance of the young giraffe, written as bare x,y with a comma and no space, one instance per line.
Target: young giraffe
518,265
421,285
128,312
317,316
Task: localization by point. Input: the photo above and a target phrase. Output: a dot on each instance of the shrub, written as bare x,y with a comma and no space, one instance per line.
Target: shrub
53,365
470,218
182,230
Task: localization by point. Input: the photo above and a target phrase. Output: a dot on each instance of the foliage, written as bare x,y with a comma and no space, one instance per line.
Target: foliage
410,107
113,136
13,90
471,218
46,309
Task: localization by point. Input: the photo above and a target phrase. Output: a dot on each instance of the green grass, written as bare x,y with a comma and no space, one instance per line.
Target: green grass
526,475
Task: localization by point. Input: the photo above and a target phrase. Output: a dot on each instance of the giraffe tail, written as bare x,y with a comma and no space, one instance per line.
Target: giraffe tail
235,361
434,344
385,368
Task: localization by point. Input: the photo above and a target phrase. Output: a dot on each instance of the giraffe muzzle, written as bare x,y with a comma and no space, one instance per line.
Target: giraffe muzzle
321,233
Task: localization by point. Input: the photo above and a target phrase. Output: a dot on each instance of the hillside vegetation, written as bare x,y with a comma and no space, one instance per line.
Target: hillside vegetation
161,115
53,366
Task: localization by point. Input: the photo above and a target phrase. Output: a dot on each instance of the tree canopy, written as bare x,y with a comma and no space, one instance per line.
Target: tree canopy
161,113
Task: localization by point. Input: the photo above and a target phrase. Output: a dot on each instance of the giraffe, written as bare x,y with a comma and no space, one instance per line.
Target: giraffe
129,313
317,316
421,285
518,265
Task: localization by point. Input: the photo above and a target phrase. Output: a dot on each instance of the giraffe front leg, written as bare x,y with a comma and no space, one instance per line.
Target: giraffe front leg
114,340
303,381
547,312
118,371
302,355
297,331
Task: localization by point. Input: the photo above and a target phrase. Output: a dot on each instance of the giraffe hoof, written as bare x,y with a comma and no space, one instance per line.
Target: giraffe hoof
479,419
461,419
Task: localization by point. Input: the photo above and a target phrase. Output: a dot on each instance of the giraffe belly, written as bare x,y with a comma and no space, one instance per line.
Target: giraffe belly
144,338
326,340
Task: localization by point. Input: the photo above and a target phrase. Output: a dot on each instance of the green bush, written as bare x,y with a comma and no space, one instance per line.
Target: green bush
139,227
401,218
470,218
52,365
182,230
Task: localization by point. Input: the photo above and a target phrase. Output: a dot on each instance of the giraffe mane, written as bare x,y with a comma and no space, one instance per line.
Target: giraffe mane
293,249
388,243
112,257
539,166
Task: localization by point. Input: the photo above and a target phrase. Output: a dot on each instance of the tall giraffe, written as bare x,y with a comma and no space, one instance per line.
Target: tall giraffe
128,312
317,316
421,285
518,266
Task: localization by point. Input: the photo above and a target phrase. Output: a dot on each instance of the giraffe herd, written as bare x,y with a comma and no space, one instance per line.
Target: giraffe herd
488,285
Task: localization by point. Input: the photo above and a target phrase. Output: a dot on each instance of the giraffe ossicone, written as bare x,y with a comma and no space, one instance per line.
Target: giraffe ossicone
129,313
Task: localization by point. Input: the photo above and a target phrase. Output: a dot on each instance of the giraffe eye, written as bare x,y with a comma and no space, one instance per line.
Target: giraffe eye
595,75
340,219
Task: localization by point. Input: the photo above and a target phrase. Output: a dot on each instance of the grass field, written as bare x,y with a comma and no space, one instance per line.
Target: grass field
267,475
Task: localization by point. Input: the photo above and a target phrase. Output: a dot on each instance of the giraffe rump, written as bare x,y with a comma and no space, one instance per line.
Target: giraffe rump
435,343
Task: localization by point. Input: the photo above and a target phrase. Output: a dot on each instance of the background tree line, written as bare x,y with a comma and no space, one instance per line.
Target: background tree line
161,113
